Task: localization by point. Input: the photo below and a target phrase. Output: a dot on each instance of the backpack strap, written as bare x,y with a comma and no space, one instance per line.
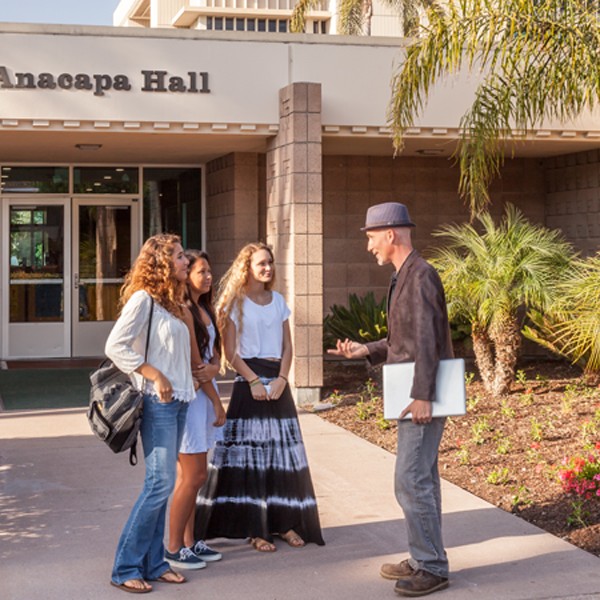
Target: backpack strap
149,326
133,460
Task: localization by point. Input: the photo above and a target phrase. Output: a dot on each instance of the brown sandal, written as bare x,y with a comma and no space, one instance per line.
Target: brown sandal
293,539
262,545
144,588
170,576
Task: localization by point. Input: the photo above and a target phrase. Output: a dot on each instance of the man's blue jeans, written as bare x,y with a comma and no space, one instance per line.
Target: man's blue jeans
140,552
417,487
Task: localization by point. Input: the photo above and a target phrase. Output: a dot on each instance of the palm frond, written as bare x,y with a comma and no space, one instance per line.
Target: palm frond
492,270
301,9
351,15
571,326
538,61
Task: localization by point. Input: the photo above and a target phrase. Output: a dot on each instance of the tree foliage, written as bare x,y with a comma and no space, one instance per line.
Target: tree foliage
354,16
538,60
571,325
490,274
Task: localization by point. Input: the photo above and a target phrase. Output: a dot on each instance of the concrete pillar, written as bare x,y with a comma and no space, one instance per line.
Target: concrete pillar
294,228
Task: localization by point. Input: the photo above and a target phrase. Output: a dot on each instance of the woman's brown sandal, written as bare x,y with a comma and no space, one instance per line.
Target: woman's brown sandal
139,586
170,576
262,545
293,539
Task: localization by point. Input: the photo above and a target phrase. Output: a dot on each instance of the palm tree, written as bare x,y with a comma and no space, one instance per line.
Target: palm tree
354,16
538,61
490,276
571,326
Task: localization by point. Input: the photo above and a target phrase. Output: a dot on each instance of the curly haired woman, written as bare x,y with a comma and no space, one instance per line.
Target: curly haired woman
155,282
259,483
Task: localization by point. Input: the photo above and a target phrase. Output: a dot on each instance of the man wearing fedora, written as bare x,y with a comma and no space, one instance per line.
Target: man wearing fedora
418,332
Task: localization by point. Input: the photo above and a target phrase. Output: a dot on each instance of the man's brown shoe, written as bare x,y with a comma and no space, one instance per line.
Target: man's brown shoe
420,583
400,571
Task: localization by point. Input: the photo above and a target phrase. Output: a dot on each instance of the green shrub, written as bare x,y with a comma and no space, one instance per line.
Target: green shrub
364,320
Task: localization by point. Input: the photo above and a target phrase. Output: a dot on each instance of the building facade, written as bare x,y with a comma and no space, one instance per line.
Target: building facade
108,135
262,16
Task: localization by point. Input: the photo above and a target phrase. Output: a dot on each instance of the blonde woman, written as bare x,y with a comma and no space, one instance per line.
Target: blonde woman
259,483
155,282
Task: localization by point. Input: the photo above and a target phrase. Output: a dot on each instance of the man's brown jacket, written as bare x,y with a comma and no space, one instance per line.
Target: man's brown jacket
418,329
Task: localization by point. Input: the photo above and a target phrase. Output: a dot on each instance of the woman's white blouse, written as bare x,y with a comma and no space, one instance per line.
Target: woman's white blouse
262,332
168,350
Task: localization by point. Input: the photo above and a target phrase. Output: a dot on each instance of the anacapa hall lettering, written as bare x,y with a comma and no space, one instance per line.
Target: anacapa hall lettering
153,81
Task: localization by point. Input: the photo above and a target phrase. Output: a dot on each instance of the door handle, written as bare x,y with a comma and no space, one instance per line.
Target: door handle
76,281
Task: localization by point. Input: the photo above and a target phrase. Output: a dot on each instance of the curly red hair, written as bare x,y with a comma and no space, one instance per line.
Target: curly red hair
153,272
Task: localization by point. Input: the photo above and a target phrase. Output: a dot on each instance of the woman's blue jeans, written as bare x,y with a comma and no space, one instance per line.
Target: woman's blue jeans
417,486
140,552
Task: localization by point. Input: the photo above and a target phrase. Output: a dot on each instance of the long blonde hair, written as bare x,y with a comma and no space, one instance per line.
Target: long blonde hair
153,272
232,287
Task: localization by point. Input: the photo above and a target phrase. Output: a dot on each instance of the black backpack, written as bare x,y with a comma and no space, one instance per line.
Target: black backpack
115,409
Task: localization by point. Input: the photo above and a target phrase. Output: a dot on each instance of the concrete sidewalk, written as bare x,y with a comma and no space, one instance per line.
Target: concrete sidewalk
64,498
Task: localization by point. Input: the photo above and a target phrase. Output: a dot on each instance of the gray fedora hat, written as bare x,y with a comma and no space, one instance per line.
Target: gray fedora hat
386,215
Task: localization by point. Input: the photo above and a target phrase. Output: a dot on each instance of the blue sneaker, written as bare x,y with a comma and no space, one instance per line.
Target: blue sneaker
184,559
204,552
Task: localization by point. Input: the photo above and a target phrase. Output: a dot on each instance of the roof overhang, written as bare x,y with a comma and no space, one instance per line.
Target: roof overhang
196,143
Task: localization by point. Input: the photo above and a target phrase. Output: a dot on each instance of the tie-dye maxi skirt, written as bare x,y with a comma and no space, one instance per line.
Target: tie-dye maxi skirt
259,482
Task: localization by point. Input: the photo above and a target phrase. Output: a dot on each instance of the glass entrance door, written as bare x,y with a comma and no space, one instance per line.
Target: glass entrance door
36,302
105,238
64,264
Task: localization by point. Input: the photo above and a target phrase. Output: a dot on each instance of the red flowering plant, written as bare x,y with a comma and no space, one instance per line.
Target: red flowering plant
580,475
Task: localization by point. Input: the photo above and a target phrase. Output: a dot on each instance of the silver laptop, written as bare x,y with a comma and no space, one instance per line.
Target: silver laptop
450,388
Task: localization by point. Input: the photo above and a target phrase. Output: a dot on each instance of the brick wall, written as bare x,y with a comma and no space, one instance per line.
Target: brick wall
573,198
428,186
234,187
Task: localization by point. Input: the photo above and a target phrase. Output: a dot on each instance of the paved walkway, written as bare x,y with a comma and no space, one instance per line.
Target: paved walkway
64,498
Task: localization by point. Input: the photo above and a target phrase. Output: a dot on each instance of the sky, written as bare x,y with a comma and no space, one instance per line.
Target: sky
68,12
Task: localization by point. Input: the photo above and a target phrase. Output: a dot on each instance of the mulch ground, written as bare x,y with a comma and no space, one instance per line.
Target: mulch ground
504,450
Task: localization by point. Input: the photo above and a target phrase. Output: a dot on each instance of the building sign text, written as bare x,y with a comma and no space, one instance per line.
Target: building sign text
100,83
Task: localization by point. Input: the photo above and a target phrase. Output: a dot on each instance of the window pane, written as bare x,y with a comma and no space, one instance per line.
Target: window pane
251,25
172,202
104,259
99,302
229,23
105,180
35,180
36,264
239,24
282,26
272,25
262,25
36,302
